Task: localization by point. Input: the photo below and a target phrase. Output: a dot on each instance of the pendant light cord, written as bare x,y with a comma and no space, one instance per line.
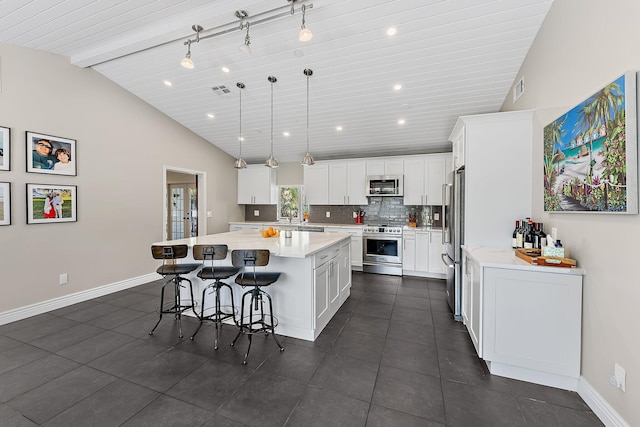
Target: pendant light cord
271,119
307,114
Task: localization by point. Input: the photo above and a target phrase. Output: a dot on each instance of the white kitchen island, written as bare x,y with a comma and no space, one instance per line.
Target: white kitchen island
524,320
315,279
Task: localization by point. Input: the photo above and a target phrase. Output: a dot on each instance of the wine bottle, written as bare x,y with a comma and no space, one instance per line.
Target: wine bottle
528,235
536,235
520,236
514,241
543,236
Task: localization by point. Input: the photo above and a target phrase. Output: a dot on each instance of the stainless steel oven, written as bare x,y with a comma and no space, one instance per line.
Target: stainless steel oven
382,249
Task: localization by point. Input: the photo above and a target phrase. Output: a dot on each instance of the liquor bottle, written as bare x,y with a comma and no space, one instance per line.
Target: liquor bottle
528,235
514,241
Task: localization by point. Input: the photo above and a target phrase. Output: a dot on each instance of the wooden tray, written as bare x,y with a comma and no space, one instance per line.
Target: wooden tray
533,256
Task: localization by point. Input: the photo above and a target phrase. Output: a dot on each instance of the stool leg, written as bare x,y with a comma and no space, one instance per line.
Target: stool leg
273,330
217,318
201,317
161,308
177,305
241,323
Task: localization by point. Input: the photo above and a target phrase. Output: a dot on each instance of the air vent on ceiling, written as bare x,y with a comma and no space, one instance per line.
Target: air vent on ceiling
221,90
518,89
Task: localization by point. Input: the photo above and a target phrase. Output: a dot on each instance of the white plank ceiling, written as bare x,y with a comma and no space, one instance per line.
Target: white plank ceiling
452,58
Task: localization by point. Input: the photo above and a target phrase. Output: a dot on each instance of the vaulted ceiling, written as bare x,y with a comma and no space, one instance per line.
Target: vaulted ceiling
451,58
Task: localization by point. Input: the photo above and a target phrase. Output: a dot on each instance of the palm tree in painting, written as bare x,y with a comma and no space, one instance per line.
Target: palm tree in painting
597,110
553,134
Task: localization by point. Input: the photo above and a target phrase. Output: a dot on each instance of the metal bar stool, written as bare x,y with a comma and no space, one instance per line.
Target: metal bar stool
218,313
172,270
256,320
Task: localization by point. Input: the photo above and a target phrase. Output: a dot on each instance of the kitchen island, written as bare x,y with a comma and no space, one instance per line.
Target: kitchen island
315,279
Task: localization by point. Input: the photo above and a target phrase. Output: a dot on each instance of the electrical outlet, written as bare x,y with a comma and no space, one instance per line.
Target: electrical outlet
64,278
328,214
256,212
620,375
355,215
436,216
209,214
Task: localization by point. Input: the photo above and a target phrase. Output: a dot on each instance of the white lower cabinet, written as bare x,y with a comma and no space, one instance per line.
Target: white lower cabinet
421,251
344,270
326,285
525,321
356,244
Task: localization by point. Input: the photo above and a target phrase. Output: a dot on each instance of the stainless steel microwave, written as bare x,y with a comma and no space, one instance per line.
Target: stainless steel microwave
384,185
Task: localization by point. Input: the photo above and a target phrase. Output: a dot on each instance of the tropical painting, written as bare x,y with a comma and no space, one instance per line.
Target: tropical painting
590,153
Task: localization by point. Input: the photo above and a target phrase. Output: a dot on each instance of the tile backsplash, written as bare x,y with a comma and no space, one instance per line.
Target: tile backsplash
380,210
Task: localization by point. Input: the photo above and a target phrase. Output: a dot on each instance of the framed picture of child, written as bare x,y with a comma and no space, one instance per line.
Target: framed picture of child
51,203
50,154
5,148
5,203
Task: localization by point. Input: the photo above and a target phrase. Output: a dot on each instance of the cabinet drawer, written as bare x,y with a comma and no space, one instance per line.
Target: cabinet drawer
326,255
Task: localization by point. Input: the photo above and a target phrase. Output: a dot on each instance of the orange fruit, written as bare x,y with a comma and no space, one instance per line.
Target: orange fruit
265,233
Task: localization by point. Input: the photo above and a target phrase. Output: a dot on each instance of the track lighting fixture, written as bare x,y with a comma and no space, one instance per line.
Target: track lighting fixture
271,161
186,61
240,163
307,160
305,33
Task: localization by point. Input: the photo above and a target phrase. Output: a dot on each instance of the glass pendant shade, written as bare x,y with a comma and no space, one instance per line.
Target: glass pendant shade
307,160
240,163
187,62
271,162
305,35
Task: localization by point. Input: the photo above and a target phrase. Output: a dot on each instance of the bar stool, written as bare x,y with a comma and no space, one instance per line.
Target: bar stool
218,313
256,321
169,254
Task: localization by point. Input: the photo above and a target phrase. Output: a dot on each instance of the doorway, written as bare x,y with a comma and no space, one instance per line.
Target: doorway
183,198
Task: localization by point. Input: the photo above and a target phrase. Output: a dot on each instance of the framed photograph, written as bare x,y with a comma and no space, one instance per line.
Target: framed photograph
590,153
50,154
5,203
5,149
51,203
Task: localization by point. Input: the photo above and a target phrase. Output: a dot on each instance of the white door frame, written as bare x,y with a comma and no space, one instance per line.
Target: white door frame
201,182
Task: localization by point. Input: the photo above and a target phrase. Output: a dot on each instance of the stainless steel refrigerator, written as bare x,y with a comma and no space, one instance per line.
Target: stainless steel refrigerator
453,237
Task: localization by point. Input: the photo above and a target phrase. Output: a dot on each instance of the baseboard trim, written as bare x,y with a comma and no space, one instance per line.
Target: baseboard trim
63,301
599,405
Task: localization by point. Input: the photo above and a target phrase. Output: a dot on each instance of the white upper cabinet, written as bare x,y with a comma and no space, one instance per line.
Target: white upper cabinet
423,179
347,183
385,167
257,186
316,184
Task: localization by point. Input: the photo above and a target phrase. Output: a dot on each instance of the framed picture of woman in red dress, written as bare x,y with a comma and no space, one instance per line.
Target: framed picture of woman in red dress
51,203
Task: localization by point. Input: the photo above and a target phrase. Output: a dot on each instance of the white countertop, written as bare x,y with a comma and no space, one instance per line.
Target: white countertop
506,258
277,224
300,245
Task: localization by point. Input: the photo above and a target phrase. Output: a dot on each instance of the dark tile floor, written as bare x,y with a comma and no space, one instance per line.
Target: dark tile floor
392,356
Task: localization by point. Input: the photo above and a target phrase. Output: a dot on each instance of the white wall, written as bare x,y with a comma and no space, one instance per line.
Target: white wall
122,146
582,46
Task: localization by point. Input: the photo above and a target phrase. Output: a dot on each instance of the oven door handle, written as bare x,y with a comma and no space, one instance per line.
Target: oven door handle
446,260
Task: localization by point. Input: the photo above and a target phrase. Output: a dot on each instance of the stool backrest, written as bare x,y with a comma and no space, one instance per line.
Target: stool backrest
169,252
210,252
250,257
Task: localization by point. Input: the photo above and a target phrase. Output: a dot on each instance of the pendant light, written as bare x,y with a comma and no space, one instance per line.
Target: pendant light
307,160
305,33
187,62
271,161
240,163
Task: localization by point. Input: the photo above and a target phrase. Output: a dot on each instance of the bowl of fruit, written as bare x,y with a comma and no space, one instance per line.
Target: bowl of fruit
270,232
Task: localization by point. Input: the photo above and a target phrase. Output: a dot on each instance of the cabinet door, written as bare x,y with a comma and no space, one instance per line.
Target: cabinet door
409,252
436,249
422,251
337,183
256,185
322,313
414,181
475,306
466,290
394,167
356,251
334,284
375,167
356,183
344,271
316,184
435,178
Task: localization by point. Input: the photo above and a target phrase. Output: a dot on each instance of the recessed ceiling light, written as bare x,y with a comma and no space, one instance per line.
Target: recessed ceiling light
285,133
391,31
338,128
397,86
241,138
210,115
401,121
168,83
225,69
